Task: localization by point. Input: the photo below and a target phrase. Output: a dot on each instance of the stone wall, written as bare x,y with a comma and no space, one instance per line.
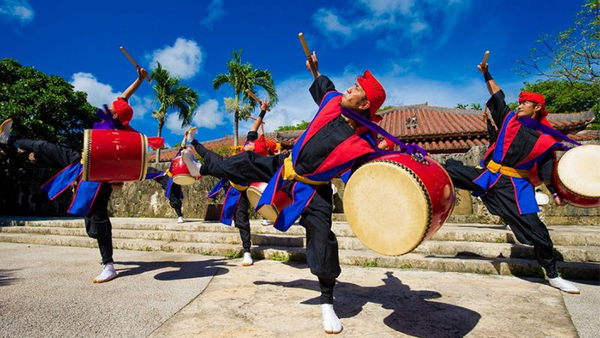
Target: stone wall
21,195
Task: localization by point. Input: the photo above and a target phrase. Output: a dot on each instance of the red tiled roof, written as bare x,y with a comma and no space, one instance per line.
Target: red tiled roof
436,129
227,142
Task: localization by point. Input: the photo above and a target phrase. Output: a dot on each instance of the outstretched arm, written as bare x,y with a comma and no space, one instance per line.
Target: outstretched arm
142,73
264,107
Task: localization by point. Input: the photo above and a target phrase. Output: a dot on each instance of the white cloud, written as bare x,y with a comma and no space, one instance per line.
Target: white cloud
19,10
207,115
391,22
215,12
99,94
183,59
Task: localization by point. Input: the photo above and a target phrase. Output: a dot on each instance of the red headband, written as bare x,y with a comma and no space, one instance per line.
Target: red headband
537,98
123,110
374,92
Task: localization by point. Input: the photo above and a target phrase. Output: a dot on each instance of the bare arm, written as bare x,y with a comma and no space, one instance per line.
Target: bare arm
264,107
142,73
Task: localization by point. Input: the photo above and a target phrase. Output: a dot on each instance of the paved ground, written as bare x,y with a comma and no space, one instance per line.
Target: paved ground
46,291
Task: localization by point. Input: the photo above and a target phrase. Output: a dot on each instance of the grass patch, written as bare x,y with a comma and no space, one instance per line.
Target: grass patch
406,266
280,257
370,263
233,254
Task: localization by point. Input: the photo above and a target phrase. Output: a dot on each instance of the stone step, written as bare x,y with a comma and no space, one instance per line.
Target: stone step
431,247
495,266
561,235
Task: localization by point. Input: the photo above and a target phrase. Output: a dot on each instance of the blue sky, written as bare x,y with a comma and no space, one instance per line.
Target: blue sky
421,50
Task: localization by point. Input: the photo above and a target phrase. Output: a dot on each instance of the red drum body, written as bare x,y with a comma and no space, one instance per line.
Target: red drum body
396,201
180,172
114,156
577,178
269,212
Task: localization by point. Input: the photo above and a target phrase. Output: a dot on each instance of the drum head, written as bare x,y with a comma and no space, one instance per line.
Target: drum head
387,207
578,170
266,211
184,179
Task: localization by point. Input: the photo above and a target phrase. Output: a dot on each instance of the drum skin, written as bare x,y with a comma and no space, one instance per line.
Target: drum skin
269,212
396,201
576,176
181,173
114,156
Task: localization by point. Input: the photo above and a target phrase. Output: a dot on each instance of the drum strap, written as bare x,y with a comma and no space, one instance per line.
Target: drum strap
290,174
508,171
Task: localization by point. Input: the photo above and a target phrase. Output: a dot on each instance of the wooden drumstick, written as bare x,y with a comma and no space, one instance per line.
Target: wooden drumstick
485,57
308,56
485,114
251,94
254,118
134,63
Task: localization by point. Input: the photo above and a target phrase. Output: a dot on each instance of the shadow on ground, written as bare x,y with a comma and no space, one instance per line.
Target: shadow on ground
414,312
183,270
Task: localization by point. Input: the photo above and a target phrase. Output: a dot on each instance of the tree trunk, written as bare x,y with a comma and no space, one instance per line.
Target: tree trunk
161,123
236,119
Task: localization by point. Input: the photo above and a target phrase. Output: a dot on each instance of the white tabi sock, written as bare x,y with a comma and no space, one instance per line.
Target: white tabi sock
108,273
563,285
331,322
247,261
191,163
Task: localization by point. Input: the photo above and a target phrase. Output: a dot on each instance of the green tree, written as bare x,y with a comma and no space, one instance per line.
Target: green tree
43,106
472,106
172,97
574,55
300,126
242,77
563,97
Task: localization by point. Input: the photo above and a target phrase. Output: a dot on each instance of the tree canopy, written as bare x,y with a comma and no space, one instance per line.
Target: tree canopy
43,106
300,126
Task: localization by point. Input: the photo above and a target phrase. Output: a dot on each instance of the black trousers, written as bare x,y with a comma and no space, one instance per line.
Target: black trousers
241,217
501,201
97,222
321,243
174,200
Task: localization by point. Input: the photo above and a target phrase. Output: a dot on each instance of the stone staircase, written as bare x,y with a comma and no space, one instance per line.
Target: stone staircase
470,248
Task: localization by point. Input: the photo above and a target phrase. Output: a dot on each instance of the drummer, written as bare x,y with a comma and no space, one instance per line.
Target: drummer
504,183
330,145
91,198
236,201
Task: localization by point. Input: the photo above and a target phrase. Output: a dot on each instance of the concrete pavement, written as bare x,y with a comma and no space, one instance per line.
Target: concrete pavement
47,291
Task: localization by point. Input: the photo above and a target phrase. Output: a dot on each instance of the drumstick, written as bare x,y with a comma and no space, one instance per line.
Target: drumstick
251,94
485,57
134,63
308,56
485,114
254,118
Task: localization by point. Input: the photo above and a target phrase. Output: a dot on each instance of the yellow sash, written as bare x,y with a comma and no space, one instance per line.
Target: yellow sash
508,171
288,173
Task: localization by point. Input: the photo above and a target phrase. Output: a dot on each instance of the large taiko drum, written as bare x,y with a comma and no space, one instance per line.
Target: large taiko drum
114,156
269,212
577,178
395,202
180,172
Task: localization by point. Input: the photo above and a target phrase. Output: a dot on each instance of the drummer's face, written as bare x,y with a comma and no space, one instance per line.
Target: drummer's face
112,110
355,98
383,145
528,109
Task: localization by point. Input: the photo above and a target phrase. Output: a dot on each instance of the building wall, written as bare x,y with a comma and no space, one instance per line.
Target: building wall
21,195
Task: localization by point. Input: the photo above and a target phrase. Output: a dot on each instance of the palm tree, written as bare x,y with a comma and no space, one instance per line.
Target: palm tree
242,76
172,96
